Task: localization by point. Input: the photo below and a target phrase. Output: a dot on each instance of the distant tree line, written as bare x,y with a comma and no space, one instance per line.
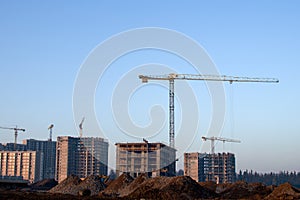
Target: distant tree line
270,178
254,177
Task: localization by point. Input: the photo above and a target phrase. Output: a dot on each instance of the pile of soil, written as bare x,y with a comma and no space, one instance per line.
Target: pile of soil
67,186
74,185
242,189
115,188
210,185
92,183
284,191
180,187
45,184
133,185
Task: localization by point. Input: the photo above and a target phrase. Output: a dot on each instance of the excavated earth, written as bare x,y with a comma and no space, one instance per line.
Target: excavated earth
74,185
143,187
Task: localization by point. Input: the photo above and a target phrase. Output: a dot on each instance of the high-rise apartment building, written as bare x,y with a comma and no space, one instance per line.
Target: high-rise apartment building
93,156
26,164
48,149
81,156
156,159
218,167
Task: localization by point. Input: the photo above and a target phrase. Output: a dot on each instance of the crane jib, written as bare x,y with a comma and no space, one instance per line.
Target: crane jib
171,77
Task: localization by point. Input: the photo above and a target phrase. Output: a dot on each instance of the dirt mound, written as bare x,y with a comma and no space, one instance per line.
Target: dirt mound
210,185
133,185
243,190
74,185
67,186
181,187
117,185
45,184
92,183
284,191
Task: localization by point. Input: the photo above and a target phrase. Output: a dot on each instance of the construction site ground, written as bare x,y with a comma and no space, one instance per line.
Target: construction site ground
142,187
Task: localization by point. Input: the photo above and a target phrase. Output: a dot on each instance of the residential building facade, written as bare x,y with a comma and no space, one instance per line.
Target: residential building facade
26,164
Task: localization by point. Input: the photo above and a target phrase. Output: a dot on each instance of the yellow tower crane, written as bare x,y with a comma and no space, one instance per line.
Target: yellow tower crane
172,77
16,129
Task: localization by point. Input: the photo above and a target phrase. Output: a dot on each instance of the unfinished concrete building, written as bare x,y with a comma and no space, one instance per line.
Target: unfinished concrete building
155,159
218,167
81,157
48,149
192,165
25,164
93,156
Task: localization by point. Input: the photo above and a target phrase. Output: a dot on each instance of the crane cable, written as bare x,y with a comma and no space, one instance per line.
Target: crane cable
232,114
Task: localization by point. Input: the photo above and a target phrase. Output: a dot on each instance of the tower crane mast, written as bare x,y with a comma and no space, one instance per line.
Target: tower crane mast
50,129
81,128
16,129
172,77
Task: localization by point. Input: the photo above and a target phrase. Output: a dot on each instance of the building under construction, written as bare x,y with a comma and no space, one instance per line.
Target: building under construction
81,156
155,159
217,167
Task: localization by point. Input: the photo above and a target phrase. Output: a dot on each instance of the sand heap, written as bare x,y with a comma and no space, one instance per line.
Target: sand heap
74,185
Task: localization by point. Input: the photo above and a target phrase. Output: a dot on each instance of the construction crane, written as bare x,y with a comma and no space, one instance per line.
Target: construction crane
50,129
80,127
172,77
212,139
16,129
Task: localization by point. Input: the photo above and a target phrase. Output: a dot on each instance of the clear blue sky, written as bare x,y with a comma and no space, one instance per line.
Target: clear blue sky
43,44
